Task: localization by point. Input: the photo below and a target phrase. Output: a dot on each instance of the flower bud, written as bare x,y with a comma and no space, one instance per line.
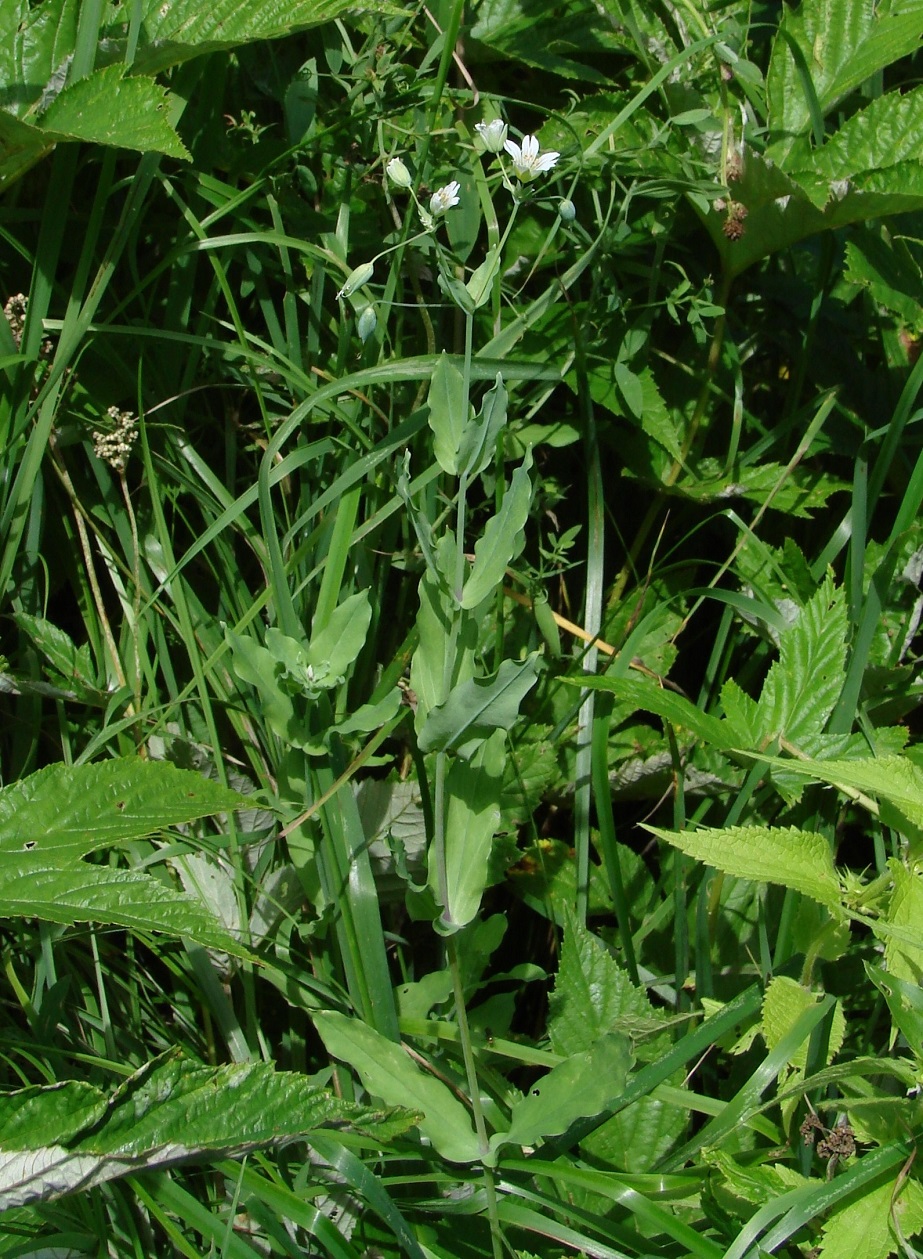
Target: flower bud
368,321
567,211
355,280
398,173
492,134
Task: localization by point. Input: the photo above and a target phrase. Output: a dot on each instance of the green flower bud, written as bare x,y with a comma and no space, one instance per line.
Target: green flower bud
398,173
356,279
368,321
567,211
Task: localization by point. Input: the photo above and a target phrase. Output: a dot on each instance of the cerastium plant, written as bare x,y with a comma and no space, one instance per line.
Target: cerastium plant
465,701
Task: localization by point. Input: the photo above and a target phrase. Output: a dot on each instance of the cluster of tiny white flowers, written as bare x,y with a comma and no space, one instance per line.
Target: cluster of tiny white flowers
115,447
14,310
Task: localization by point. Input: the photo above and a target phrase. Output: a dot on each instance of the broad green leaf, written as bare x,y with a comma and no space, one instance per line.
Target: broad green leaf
886,268
174,32
842,43
448,416
433,627
478,707
479,442
585,1085
638,1137
592,994
79,892
35,44
336,647
473,788
386,1071
783,1004
63,812
502,540
171,1111
482,278
108,107
867,1226
255,664
59,649
631,389
21,146
905,960
785,855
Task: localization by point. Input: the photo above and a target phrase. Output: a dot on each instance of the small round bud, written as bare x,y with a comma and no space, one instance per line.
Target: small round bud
356,279
567,211
398,173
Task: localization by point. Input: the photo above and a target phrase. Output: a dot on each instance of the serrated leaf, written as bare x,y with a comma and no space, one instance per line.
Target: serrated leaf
387,1072
666,704
804,684
171,1111
63,812
905,960
502,540
865,1227
785,855
107,107
592,993
784,1003
58,648
586,1084
476,708
80,892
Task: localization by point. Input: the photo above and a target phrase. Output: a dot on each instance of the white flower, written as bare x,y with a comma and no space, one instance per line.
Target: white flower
492,134
444,198
526,161
398,173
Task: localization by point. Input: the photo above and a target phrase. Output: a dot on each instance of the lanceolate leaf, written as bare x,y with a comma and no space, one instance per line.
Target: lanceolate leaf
387,1072
502,540
448,416
66,1137
785,855
474,788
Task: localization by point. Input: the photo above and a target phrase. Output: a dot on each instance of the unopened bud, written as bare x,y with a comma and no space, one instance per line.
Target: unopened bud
567,211
398,173
367,323
356,279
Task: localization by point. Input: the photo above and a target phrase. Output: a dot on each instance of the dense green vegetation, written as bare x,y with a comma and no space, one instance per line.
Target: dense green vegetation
460,572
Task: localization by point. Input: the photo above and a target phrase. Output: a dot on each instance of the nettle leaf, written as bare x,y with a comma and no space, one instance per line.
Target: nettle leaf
905,960
108,107
74,663
122,898
842,43
502,540
387,1071
785,855
586,1084
592,993
875,1223
479,706
171,1111
63,812
784,1003
804,684
448,413
36,43
887,269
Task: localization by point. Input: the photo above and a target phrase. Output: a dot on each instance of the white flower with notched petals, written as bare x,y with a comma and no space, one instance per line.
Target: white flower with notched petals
492,134
527,162
444,198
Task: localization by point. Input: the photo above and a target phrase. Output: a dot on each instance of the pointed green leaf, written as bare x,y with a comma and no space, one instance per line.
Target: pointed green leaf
107,107
255,664
669,705
122,898
65,811
478,707
585,1085
502,540
171,1111
480,439
482,278
386,1071
448,417
783,855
